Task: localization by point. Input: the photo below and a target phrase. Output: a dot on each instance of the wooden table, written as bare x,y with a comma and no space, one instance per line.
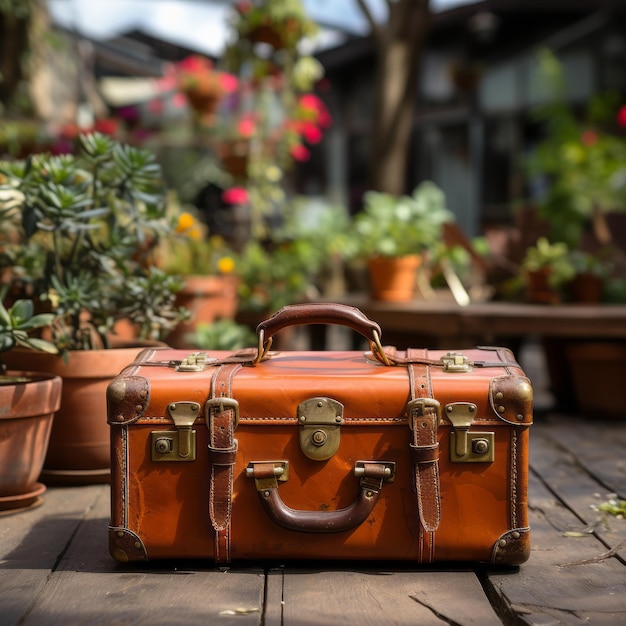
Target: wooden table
56,569
443,321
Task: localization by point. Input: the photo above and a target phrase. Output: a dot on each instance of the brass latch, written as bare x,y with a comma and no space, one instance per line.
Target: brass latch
465,446
456,362
179,444
320,420
194,362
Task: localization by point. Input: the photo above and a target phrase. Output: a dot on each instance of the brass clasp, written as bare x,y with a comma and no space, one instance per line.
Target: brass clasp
179,444
465,446
320,420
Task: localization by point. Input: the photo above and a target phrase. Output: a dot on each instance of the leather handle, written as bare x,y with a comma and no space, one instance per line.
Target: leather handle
372,477
319,313
318,521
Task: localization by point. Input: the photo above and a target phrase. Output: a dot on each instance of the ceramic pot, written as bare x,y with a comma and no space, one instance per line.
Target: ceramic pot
598,371
587,287
79,448
539,289
393,279
207,298
26,415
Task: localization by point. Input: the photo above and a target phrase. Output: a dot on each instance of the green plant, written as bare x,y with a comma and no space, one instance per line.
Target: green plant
15,324
581,160
223,334
78,235
553,257
193,251
390,225
599,264
286,267
286,17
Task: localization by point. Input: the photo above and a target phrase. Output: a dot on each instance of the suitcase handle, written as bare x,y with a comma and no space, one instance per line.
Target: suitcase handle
320,313
267,476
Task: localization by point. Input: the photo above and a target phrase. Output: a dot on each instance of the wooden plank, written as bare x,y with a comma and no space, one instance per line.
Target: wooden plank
89,587
567,475
32,542
598,445
547,589
379,597
273,613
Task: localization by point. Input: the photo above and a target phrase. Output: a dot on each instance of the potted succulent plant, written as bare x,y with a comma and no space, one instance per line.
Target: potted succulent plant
28,401
78,236
394,233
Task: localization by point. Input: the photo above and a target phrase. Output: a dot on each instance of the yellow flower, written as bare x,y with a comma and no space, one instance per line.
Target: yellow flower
226,265
185,222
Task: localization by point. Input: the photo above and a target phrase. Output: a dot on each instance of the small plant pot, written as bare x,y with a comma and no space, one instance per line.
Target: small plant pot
539,289
586,287
393,279
207,298
26,417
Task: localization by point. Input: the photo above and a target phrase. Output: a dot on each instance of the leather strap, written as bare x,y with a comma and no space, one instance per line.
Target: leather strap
221,423
423,421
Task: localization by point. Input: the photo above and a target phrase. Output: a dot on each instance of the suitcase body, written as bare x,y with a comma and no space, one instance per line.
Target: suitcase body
416,455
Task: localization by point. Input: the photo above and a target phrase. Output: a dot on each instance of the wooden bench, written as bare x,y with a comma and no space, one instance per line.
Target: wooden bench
56,568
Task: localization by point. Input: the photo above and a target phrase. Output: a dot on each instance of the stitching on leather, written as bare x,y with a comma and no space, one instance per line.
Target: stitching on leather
514,477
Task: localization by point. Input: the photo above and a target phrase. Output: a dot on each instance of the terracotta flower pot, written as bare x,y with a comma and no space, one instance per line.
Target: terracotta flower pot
587,287
208,298
598,370
26,416
79,449
539,289
393,279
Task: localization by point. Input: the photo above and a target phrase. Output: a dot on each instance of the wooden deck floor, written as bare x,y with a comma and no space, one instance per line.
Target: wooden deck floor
56,568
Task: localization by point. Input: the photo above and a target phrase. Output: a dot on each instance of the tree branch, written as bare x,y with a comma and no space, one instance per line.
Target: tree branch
374,26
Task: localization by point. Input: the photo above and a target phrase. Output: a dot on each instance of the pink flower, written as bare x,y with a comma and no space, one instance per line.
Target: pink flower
179,100
589,137
621,117
311,133
300,153
246,126
310,101
235,195
228,82
195,64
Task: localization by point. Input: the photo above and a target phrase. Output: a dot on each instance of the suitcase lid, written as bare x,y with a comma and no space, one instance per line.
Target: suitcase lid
369,392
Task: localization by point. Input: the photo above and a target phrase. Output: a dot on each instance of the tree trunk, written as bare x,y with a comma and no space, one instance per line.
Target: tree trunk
13,45
399,43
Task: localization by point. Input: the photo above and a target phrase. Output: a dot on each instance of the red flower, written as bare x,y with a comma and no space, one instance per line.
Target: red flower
311,133
243,7
106,126
621,117
589,137
235,195
300,153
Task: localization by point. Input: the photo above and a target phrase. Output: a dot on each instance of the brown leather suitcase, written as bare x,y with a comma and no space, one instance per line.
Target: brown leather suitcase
412,455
